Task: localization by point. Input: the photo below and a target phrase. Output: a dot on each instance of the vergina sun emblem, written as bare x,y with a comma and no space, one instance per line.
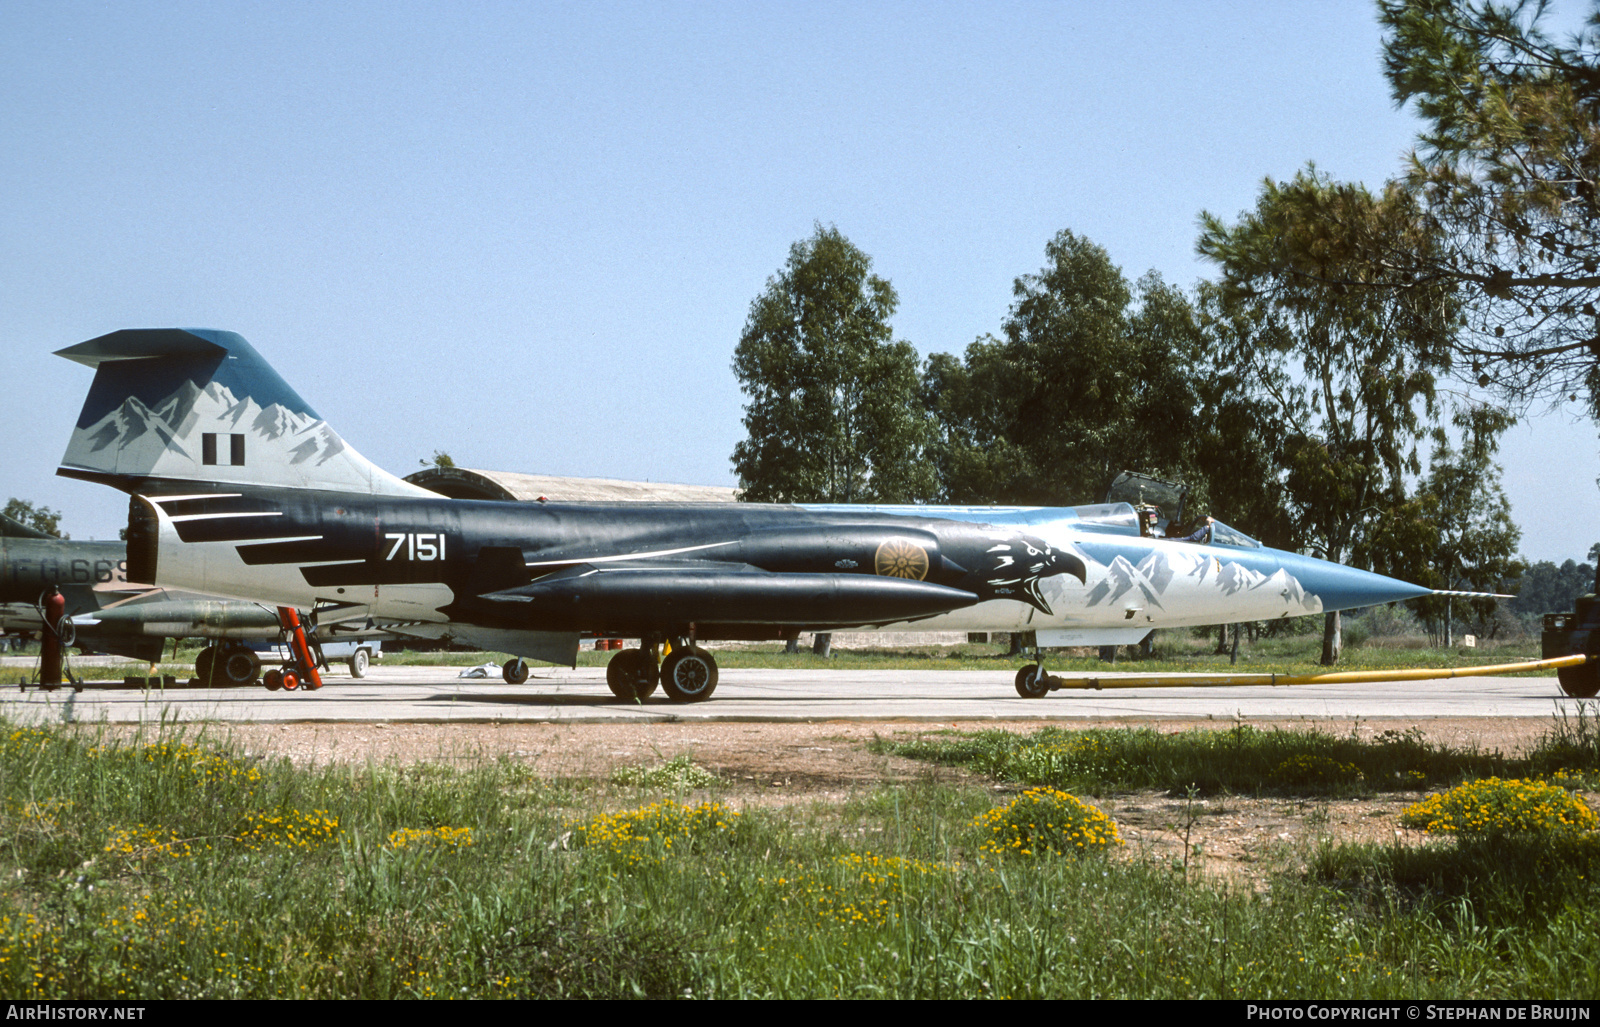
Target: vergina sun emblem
901,558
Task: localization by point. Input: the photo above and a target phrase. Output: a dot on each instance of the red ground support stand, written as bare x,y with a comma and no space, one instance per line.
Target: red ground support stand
54,607
305,668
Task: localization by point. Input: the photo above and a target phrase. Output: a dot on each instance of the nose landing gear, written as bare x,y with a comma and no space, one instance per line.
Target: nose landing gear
1031,682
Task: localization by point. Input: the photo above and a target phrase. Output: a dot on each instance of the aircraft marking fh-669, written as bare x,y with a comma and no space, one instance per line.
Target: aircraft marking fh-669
240,489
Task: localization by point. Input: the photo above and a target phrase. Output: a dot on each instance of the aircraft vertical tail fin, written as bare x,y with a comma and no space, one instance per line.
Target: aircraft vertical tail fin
192,406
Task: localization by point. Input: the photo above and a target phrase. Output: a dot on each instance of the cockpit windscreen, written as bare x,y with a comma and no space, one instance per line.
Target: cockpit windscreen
1222,535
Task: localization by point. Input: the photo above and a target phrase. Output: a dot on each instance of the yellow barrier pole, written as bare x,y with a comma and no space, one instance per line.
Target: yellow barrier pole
1275,680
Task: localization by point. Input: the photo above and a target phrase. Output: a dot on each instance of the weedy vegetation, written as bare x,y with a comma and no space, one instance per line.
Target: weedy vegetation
174,866
1249,760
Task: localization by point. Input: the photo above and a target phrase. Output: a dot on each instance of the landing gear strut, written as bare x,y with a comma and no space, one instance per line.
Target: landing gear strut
1032,681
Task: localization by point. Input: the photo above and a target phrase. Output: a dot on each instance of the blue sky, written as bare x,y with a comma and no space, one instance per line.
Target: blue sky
528,234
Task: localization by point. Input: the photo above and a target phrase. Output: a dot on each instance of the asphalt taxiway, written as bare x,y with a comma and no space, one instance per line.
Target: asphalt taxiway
439,695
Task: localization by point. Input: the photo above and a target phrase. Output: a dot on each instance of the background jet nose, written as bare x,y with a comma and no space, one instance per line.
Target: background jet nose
1347,588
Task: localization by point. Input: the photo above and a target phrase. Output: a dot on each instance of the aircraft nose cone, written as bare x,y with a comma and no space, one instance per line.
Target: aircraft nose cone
1346,588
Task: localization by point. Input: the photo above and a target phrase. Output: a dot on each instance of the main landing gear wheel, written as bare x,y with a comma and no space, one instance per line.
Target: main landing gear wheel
689,675
1030,682
515,671
235,665
202,664
1582,681
358,664
632,675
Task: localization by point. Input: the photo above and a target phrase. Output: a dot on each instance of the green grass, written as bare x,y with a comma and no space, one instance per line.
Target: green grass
1521,879
1249,760
170,866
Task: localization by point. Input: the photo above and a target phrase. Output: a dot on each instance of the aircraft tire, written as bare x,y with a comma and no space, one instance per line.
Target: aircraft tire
202,664
1580,682
515,671
689,675
236,665
1030,682
632,675
358,663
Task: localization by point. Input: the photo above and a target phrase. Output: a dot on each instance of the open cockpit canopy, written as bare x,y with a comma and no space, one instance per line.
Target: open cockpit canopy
1163,499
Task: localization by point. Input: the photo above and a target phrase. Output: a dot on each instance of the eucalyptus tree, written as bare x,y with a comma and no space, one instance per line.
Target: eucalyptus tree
1090,376
1478,540
834,413
1238,452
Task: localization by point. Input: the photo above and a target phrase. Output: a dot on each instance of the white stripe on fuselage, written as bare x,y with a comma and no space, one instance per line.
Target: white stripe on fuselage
627,556
219,516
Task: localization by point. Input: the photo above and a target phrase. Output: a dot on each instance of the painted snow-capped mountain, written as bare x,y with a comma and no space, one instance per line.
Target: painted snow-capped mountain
1267,596
131,426
1280,591
1232,578
1289,585
177,409
1123,577
163,439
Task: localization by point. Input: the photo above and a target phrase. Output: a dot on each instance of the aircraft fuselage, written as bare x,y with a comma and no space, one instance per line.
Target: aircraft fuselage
31,567
715,570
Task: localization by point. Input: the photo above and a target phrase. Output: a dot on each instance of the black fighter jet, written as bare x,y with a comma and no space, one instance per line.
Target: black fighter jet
240,489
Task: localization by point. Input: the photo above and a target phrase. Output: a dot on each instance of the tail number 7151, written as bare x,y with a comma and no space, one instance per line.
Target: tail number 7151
417,546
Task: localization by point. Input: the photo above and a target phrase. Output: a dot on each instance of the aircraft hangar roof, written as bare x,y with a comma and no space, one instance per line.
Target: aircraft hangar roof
466,483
